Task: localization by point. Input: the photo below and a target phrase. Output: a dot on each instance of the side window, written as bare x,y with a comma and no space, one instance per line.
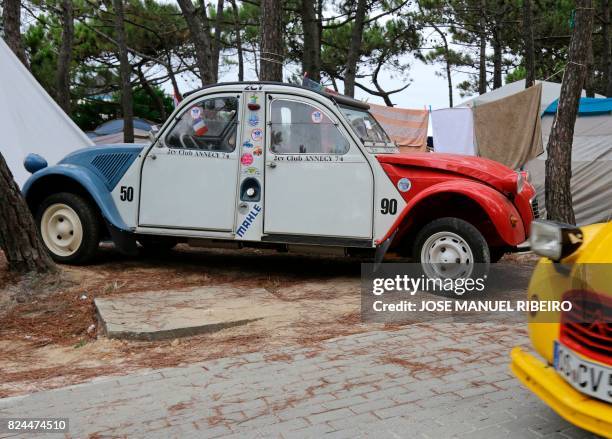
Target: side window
210,124
299,128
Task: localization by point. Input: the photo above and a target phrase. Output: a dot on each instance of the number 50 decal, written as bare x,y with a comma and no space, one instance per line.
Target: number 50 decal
388,206
127,193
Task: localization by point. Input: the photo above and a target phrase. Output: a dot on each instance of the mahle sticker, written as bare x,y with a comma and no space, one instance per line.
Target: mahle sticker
404,185
257,134
316,116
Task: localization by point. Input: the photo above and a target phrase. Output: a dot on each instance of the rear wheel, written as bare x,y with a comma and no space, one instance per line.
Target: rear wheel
451,248
69,228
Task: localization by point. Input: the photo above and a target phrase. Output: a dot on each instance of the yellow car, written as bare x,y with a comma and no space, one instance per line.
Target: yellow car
574,372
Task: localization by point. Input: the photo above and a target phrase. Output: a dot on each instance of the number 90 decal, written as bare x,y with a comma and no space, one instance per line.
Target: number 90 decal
388,206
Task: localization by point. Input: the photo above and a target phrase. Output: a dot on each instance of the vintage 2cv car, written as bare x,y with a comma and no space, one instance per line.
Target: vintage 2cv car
279,166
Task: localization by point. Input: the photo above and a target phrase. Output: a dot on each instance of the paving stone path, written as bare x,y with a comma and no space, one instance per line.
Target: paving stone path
429,381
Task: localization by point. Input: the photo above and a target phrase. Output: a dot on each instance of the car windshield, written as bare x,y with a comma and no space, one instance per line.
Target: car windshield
364,124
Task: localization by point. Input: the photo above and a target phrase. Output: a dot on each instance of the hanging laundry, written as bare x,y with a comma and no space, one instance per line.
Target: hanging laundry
453,131
406,127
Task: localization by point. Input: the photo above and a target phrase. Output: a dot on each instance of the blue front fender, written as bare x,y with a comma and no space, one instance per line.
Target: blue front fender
93,184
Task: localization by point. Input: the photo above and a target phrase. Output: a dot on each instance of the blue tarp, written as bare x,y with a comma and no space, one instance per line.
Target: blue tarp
116,126
588,106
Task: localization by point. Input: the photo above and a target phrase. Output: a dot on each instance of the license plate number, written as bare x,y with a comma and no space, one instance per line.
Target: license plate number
589,378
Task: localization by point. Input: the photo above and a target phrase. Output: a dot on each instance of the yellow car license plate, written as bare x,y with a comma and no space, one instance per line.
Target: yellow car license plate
589,378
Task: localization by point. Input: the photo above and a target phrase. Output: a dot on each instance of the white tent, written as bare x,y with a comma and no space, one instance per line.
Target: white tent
591,154
30,120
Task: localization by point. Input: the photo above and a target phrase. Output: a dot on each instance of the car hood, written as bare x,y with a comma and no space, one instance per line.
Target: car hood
93,151
488,171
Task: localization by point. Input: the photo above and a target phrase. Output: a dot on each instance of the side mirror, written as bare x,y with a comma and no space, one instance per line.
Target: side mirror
153,133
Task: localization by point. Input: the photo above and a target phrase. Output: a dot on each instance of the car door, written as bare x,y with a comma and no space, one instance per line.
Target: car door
317,182
189,178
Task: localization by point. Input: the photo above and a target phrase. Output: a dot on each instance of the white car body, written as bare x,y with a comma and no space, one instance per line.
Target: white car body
326,199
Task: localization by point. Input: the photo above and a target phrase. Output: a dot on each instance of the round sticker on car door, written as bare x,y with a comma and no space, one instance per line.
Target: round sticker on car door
246,159
404,184
257,134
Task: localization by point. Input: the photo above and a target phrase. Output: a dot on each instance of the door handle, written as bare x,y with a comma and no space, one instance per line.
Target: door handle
152,156
271,164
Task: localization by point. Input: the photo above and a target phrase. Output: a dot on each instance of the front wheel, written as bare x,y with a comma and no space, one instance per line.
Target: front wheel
69,228
451,248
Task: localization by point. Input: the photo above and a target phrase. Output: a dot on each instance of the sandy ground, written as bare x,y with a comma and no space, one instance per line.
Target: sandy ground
48,329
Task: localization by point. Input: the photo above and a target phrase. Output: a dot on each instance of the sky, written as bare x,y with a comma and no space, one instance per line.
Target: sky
427,88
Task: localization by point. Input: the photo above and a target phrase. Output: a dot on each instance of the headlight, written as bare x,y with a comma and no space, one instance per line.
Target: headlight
520,182
554,240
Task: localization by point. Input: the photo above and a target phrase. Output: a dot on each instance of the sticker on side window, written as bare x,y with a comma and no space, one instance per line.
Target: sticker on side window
316,116
195,112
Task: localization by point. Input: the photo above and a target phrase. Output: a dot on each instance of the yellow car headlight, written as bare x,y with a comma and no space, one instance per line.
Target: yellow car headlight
554,240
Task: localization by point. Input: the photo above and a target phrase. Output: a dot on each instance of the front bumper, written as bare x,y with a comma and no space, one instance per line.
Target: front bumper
579,409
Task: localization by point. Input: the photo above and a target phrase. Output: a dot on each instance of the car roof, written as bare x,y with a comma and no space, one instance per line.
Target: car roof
338,98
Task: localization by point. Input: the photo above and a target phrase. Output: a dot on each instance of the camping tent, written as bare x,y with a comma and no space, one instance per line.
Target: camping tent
140,136
591,161
30,120
591,152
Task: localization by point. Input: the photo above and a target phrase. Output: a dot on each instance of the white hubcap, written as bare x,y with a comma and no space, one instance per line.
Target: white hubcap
447,255
61,229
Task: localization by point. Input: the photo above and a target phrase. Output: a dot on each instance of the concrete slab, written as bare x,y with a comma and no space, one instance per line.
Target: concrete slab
161,315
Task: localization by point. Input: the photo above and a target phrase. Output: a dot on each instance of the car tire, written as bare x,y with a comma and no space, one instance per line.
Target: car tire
157,244
69,227
451,241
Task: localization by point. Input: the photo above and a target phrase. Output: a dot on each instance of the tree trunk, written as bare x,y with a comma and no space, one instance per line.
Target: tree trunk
528,41
354,51
449,79
271,41
200,36
65,56
237,31
172,76
216,42
19,237
558,163
125,70
589,80
497,61
311,59
11,22
159,103
482,62
607,50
